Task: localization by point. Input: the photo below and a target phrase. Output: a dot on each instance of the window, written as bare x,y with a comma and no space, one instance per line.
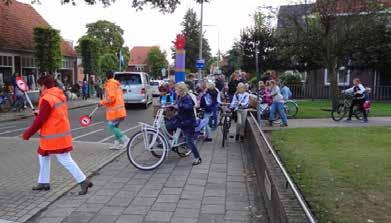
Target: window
28,62
67,63
343,77
128,79
5,61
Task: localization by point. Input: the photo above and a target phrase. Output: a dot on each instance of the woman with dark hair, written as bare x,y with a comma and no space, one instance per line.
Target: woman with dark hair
55,135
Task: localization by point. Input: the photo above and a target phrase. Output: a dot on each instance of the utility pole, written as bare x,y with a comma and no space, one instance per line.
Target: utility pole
201,36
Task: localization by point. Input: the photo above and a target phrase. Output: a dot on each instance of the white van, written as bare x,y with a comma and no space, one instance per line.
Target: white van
136,87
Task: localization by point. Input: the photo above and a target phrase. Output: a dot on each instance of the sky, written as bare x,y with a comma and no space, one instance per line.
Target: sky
150,27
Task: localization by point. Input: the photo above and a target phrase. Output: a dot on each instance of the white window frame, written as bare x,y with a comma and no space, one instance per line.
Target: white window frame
33,60
12,60
327,83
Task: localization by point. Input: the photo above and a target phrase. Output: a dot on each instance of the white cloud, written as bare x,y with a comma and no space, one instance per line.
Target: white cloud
150,27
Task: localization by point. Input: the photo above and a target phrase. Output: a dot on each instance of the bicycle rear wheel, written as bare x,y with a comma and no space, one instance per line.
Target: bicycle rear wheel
6,105
291,109
339,113
147,149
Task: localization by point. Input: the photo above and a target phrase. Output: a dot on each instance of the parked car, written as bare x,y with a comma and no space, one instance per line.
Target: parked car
155,84
136,87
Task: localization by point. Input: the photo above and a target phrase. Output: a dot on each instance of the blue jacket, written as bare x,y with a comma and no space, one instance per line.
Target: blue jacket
212,105
185,117
286,93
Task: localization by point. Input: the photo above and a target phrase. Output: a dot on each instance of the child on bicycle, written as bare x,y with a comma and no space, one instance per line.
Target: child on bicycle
358,91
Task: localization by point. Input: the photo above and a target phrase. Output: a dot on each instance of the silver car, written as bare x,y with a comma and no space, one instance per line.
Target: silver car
155,84
136,87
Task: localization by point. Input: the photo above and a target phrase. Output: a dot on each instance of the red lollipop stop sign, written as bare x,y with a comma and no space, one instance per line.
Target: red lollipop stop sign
85,120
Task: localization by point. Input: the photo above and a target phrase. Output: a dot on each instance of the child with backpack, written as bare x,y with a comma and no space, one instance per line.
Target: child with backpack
209,104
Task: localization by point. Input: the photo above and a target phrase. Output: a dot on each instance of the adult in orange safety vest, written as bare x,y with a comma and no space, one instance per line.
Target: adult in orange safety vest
115,110
55,135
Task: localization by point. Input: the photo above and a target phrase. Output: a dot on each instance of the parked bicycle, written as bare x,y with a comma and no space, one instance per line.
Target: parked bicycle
291,108
264,110
148,148
225,122
5,102
343,107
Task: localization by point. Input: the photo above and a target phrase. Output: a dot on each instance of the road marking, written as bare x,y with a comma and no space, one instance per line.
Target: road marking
93,124
16,130
87,134
127,130
9,131
8,127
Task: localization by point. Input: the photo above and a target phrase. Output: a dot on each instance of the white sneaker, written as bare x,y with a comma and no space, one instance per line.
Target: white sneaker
116,146
125,140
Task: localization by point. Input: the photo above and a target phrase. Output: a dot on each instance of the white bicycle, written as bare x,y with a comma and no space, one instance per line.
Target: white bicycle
148,147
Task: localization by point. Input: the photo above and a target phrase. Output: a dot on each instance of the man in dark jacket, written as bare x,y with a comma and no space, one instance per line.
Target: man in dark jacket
220,82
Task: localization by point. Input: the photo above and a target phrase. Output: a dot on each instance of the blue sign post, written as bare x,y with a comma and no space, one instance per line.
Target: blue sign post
200,64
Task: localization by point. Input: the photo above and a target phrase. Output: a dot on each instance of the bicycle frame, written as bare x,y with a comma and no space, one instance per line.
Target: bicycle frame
159,127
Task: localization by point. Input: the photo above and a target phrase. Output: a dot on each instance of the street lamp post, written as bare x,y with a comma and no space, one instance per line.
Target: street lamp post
218,43
201,36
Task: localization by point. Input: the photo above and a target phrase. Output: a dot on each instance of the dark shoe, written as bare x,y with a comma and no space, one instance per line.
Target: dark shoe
84,186
197,162
364,121
284,125
40,187
241,138
208,140
270,123
237,138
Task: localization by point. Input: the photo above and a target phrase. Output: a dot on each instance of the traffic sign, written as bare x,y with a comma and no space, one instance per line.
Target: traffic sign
200,64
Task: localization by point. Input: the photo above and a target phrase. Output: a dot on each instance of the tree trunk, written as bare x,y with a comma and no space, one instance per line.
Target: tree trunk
334,90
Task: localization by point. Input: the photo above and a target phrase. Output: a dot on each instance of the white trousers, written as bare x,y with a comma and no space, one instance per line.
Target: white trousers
66,160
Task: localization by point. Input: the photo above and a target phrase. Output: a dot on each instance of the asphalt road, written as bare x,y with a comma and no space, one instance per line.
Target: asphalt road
96,132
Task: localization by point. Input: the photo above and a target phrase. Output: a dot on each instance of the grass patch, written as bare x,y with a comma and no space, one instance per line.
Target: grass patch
345,174
315,109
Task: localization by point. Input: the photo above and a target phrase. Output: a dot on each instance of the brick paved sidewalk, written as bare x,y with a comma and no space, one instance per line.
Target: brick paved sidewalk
19,171
218,190
12,116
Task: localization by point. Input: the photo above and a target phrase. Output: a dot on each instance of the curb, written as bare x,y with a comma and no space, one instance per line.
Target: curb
31,115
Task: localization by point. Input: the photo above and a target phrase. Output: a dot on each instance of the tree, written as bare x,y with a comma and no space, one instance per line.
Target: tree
191,29
156,60
108,33
47,49
260,37
109,38
108,62
165,6
89,49
329,38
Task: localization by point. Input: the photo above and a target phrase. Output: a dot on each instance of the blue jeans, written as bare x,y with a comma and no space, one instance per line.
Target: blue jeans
278,106
215,116
189,139
207,116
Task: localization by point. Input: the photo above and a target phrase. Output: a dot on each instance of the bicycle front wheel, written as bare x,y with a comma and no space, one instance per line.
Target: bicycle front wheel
339,113
291,109
147,149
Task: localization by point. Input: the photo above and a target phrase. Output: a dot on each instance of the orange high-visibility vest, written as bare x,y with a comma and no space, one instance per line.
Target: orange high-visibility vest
114,101
55,133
